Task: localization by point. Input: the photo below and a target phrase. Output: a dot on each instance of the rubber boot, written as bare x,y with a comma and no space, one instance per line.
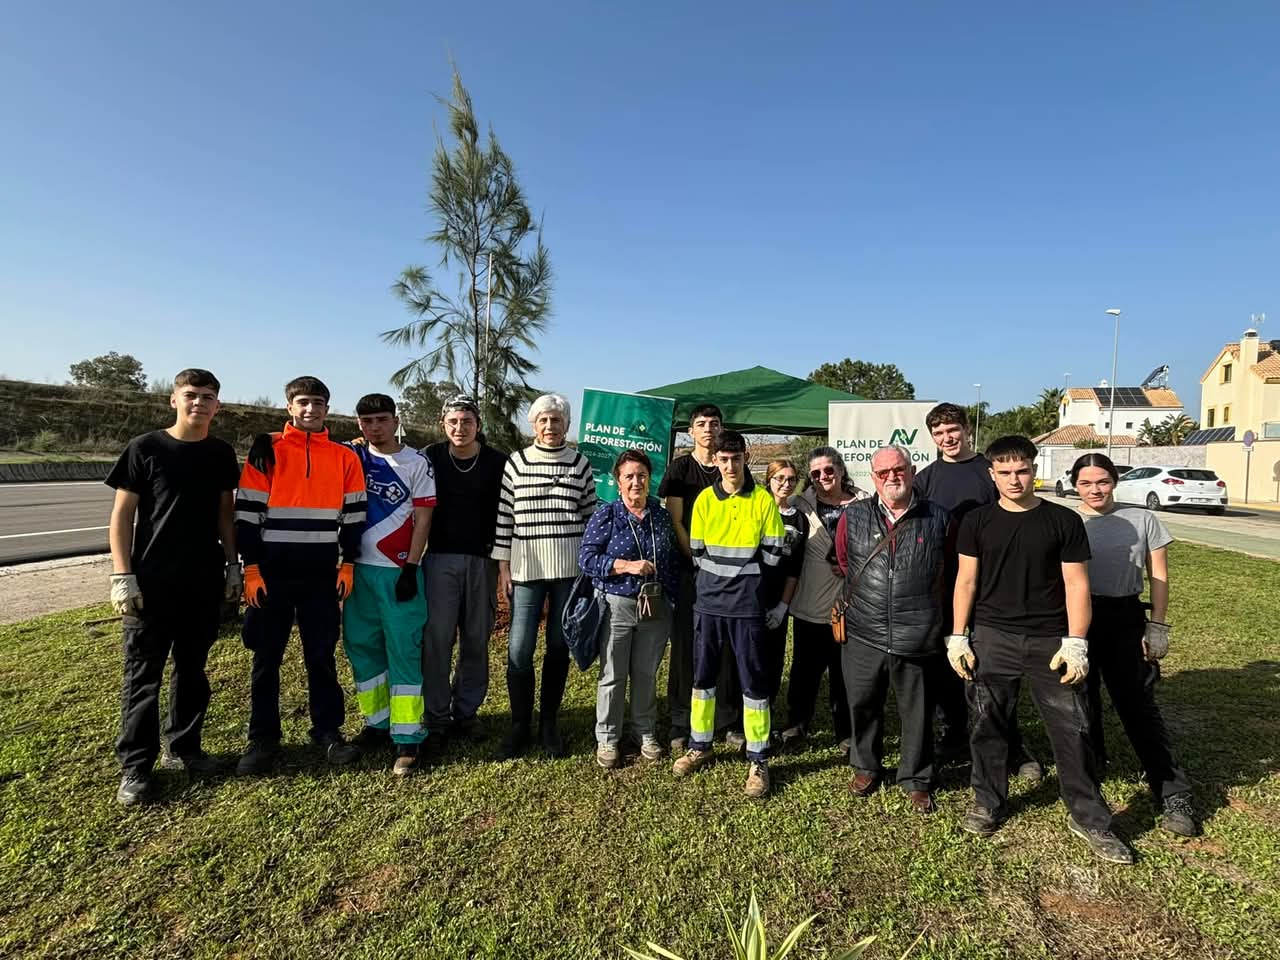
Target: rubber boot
555,672
520,690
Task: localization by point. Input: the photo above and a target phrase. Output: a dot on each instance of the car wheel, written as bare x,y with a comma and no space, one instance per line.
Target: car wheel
1153,502
1058,489
1217,511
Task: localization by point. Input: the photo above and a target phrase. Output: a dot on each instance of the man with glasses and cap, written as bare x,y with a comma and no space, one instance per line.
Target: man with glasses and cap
461,578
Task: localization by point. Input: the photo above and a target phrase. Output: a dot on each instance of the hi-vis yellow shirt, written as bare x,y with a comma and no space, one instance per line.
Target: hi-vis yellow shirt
730,536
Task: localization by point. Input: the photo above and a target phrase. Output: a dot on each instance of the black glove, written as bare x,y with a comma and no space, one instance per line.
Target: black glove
407,583
262,453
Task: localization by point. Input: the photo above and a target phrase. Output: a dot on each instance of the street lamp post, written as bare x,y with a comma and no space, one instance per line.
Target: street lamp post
1115,352
977,420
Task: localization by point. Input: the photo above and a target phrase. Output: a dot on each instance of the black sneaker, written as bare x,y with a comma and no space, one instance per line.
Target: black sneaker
1105,844
471,730
982,821
372,738
135,789
195,764
1179,816
258,759
336,750
406,759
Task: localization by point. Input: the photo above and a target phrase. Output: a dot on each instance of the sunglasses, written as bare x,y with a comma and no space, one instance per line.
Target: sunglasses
785,479
823,472
891,471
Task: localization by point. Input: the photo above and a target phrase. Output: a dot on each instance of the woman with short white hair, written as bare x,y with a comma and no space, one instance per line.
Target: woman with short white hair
548,494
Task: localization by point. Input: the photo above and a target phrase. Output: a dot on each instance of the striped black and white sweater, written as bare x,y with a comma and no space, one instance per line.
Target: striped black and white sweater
548,494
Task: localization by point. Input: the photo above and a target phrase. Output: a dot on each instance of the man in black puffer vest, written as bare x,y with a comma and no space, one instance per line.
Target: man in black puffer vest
891,549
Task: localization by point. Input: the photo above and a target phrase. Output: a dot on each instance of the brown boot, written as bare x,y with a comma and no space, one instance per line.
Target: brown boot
757,781
691,762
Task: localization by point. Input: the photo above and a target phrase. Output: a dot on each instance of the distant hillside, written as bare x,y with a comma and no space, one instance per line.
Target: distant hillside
40,416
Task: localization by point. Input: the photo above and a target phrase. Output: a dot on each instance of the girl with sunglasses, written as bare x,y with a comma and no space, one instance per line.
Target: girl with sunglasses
814,649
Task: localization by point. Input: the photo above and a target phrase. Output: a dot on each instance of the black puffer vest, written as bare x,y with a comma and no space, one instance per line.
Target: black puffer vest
896,603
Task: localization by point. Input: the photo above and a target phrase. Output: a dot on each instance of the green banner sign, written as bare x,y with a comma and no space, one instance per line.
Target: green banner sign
614,422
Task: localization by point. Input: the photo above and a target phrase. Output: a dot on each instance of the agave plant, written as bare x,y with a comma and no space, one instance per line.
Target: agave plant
748,942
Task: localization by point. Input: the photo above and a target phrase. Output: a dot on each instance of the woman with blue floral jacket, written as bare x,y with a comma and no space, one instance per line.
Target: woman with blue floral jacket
629,551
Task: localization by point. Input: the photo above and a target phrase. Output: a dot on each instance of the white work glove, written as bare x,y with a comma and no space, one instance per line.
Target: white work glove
960,655
126,598
234,583
1074,655
773,618
1155,640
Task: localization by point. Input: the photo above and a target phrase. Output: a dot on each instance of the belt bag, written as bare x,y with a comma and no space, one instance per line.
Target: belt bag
841,606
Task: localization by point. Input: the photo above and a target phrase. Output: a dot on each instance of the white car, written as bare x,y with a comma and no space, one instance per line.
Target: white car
1157,488
1064,486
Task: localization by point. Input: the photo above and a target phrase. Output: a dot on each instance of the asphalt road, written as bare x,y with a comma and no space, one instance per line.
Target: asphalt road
40,521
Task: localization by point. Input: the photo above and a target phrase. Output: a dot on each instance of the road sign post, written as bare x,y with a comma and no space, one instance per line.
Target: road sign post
1249,437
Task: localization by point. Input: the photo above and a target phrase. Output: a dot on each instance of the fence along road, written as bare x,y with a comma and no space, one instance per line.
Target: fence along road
40,521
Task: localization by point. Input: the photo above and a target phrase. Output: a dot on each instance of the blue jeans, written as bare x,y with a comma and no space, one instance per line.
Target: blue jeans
526,610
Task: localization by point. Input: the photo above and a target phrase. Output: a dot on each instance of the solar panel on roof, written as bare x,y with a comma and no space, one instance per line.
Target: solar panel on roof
1211,435
1125,397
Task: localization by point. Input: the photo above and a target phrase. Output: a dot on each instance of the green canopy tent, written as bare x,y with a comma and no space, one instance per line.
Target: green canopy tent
755,400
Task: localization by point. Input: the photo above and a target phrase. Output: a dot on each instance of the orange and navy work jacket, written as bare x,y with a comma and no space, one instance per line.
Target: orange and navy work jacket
309,509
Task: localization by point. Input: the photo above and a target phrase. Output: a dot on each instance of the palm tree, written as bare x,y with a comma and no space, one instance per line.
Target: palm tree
1047,407
1148,434
480,338
1177,427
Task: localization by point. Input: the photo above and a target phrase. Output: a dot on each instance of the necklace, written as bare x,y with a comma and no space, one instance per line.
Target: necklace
706,471
454,460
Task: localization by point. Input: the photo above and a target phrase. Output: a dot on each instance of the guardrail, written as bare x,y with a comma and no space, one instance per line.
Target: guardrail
44,472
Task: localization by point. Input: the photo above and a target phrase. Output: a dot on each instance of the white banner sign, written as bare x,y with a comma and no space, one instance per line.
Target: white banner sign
858,428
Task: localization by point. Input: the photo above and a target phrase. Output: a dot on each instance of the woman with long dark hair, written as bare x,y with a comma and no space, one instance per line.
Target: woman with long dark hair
1125,649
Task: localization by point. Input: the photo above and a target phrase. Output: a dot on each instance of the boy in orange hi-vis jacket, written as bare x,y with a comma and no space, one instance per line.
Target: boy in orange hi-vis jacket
298,530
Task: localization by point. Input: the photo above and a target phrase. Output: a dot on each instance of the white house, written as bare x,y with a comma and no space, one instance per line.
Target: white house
1085,414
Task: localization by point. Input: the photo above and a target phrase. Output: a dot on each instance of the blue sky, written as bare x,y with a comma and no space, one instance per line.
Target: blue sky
961,189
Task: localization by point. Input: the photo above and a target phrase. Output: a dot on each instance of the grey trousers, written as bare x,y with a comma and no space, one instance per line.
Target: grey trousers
630,649
462,604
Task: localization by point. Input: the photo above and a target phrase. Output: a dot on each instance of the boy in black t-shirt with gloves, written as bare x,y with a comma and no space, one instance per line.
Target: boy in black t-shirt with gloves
1026,562
170,576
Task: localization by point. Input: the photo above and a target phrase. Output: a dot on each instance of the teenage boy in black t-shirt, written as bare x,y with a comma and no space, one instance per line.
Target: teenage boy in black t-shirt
961,481
686,477
1026,562
170,577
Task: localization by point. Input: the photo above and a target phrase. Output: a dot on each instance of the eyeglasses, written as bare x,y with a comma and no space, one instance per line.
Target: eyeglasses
783,478
891,471
823,472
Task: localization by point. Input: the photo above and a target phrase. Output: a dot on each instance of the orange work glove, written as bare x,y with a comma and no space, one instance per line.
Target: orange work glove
346,575
255,588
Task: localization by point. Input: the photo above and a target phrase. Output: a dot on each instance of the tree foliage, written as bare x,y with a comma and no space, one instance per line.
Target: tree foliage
872,381
1169,432
484,219
420,403
113,371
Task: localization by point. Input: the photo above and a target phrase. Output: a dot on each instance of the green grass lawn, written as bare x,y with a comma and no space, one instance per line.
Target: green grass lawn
539,858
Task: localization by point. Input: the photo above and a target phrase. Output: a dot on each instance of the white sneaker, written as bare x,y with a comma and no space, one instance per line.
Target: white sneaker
607,756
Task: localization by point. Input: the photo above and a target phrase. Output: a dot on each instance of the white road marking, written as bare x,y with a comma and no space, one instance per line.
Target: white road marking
48,533
54,483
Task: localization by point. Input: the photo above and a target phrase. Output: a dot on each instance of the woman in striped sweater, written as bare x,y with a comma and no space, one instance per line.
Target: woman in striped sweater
548,494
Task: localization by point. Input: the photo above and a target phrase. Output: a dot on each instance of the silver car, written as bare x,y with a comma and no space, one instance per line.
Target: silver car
1158,488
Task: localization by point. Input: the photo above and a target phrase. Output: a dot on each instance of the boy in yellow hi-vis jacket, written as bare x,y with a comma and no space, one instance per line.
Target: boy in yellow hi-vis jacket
734,528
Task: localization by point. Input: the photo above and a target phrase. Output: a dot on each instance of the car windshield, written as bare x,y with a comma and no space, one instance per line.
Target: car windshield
1206,475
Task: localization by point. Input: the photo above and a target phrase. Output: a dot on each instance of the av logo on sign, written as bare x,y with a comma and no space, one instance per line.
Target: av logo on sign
903,438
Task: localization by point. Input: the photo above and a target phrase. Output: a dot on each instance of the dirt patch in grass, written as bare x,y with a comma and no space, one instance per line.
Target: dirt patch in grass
371,892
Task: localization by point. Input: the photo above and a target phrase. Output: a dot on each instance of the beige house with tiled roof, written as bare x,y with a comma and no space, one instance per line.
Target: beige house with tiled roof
1241,388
